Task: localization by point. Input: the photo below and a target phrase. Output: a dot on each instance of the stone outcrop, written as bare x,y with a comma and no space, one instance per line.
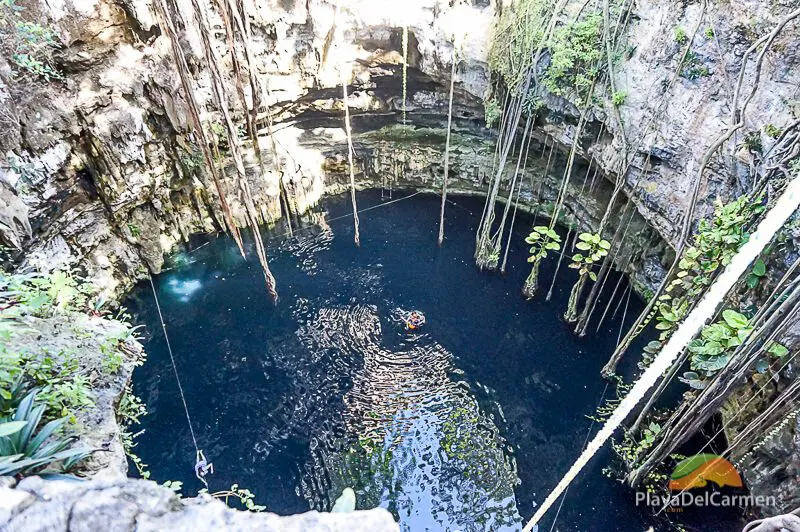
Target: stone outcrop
37,505
87,343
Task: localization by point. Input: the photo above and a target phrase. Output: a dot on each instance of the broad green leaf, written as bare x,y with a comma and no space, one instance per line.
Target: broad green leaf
777,350
759,268
11,427
734,319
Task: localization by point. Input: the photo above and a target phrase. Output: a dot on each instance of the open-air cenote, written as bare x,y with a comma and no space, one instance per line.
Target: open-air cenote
470,265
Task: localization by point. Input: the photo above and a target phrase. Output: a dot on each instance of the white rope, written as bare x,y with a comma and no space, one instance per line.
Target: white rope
174,367
777,216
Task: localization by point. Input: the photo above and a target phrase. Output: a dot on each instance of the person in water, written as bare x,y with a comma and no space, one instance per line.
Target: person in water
202,467
415,320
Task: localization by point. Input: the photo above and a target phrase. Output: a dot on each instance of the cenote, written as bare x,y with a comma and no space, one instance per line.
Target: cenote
460,426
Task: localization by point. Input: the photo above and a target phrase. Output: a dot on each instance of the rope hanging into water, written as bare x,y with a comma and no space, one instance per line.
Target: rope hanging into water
198,452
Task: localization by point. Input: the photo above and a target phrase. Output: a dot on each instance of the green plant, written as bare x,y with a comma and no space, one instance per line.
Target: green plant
757,273
774,352
752,141
772,131
492,112
712,350
28,45
593,248
714,244
129,413
42,295
680,35
24,450
709,33
134,230
575,48
244,496
618,98
693,67
542,239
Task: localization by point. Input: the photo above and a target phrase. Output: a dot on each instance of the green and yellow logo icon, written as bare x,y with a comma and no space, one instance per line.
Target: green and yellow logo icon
698,470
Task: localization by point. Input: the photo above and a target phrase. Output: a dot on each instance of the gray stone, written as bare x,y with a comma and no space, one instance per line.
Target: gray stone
144,506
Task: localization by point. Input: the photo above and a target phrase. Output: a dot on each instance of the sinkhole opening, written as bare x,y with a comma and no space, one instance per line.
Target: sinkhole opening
463,424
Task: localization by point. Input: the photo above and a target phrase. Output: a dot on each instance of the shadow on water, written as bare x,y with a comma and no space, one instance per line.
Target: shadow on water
460,426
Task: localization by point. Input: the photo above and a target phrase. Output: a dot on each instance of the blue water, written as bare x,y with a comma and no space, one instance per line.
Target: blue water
462,426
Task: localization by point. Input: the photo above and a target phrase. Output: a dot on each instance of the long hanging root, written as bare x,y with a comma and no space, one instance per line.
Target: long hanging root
690,417
349,132
220,99
777,216
447,143
183,72
738,116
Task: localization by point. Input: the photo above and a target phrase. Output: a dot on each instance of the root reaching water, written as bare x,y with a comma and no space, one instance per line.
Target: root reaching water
786,205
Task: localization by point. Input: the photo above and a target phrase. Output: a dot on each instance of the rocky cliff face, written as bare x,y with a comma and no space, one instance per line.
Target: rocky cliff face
101,170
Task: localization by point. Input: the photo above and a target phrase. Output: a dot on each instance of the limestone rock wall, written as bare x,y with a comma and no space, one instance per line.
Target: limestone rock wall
36,505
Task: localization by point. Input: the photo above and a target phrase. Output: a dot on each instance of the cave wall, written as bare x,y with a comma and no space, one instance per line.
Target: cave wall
101,170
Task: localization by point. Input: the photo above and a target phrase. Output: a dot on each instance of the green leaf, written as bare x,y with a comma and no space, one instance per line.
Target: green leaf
759,268
552,246
734,319
777,350
11,427
583,246
593,276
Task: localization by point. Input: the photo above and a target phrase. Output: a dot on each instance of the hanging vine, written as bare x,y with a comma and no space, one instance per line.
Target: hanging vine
447,142
194,112
220,99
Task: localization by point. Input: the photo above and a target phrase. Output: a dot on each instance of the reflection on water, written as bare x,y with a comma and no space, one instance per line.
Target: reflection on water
425,446
459,426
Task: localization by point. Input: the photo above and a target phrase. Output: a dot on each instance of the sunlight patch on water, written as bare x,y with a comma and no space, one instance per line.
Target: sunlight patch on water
183,289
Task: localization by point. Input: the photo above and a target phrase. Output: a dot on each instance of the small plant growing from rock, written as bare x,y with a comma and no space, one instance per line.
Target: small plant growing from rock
618,98
680,35
28,45
542,239
772,131
491,110
593,248
756,274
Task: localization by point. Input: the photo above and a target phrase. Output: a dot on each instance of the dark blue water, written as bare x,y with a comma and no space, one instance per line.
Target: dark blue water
459,427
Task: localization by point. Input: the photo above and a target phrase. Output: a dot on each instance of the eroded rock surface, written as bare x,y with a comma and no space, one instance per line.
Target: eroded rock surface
36,505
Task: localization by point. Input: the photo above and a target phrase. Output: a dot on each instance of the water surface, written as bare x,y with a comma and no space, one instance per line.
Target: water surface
461,426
